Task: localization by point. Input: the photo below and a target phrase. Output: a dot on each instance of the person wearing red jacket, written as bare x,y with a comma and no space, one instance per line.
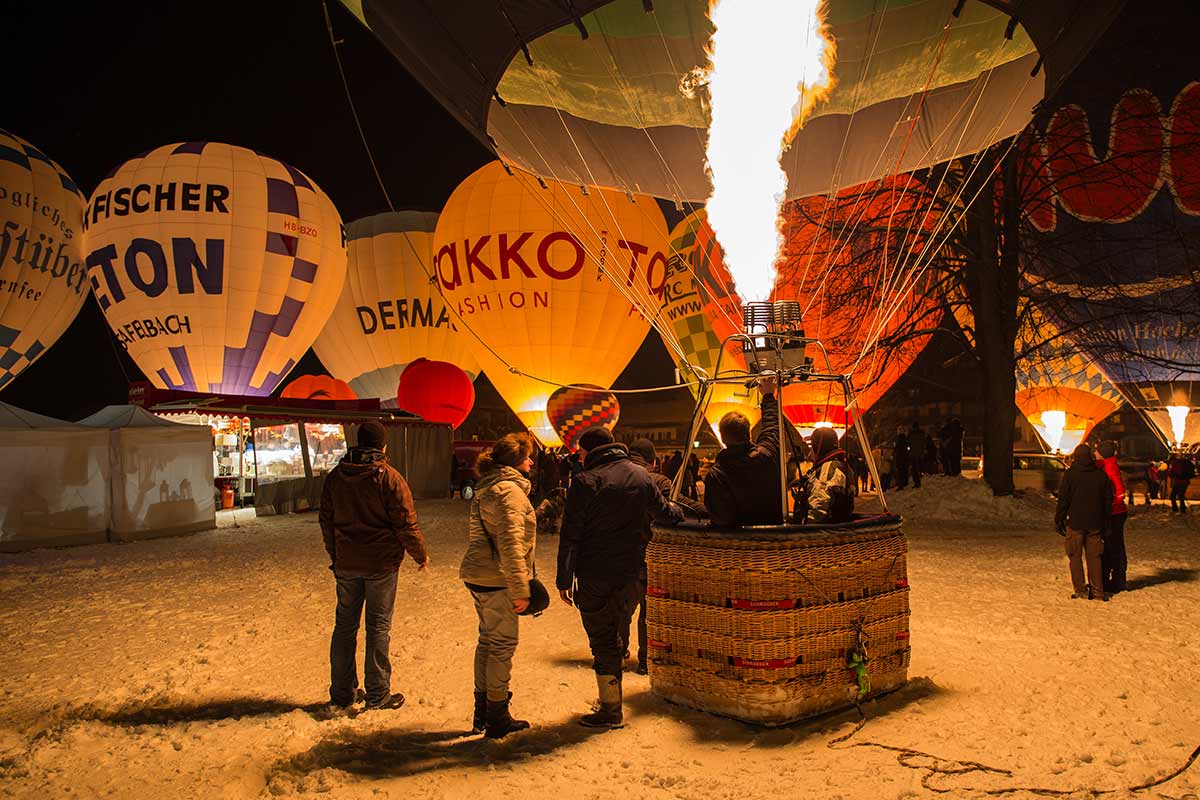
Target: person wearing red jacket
1113,560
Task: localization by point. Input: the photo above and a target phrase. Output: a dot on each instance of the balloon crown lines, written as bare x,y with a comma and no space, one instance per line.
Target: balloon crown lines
18,247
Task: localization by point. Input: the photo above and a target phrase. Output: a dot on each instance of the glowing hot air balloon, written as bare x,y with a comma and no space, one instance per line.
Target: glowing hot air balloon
389,314
318,387
41,254
437,391
548,278
574,409
215,266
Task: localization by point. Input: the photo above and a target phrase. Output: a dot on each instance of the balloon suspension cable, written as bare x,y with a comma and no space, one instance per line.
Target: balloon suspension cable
333,43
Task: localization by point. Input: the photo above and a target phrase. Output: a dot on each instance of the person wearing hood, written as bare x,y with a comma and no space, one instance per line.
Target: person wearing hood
497,568
642,453
368,521
742,487
600,552
1113,562
826,496
1085,499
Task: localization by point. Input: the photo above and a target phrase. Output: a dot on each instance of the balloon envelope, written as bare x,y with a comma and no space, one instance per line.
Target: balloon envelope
318,387
437,391
42,276
389,314
548,279
215,266
574,409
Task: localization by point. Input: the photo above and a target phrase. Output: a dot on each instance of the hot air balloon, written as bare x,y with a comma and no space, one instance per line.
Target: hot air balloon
701,309
42,276
850,262
389,314
553,281
574,409
1112,241
612,92
437,391
216,267
318,387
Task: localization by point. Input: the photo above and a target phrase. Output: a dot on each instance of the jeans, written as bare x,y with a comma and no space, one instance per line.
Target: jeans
1113,560
606,608
1178,493
378,594
1081,546
498,628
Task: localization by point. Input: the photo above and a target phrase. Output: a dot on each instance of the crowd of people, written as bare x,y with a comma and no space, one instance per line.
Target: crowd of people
612,496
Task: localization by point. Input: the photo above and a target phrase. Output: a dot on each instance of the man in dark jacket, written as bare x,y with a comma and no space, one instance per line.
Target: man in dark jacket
369,522
600,552
642,453
952,443
1182,471
1085,499
742,487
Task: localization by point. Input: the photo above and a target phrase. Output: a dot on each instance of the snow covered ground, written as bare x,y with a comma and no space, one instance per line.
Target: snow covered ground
196,667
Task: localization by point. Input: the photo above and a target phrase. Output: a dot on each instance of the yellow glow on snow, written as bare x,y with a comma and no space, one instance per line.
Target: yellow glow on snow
1053,425
771,61
1178,416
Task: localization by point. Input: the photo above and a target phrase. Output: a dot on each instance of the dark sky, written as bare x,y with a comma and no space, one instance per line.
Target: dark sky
92,84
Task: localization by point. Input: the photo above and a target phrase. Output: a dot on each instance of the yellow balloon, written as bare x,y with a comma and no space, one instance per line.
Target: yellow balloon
215,266
388,313
553,280
42,277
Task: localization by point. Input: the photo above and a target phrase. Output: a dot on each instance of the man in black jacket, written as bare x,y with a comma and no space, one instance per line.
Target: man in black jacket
600,552
742,487
1085,499
642,453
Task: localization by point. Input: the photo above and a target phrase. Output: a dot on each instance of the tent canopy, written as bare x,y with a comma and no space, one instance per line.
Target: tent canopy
127,416
13,417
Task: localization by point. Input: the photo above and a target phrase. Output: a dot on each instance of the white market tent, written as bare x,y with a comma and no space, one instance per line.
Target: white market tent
161,474
53,482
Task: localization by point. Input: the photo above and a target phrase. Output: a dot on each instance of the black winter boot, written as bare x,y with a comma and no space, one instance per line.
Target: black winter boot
608,715
479,721
499,722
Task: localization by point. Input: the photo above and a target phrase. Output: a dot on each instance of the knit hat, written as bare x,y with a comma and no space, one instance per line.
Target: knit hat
595,437
371,434
645,449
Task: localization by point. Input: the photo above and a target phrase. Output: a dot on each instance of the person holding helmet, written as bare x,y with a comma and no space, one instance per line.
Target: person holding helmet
600,553
498,570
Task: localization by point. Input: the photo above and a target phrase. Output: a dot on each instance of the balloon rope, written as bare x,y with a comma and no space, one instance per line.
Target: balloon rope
350,101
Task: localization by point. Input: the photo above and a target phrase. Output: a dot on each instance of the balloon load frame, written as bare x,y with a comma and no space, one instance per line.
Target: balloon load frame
775,623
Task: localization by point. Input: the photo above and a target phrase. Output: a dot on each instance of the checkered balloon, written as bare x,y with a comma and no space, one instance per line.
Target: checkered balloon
215,266
574,409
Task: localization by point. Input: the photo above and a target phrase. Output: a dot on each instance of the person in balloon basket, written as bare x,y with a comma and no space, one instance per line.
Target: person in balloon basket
1085,500
825,495
742,487
642,453
1113,561
498,570
368,521
600,552
1181,470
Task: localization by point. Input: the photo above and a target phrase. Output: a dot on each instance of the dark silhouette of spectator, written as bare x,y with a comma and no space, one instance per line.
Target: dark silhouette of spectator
901,460
952,443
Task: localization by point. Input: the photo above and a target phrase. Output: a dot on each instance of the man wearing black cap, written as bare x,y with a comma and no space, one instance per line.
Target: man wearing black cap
368,521
600,552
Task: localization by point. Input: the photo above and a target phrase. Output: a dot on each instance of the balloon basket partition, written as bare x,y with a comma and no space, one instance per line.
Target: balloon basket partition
773,625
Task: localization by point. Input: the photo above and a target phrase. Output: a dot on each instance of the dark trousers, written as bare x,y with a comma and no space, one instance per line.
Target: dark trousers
900,476
916,473
606,608
1085,546
1178,493
641,620
1113,562
378,594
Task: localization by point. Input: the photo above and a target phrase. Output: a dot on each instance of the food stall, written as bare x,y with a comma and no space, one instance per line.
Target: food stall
274,453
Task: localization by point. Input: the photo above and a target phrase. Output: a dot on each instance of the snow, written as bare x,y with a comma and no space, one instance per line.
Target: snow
966,501
197,667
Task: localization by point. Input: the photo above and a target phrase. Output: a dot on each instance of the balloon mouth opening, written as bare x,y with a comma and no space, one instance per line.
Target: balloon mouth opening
1053,428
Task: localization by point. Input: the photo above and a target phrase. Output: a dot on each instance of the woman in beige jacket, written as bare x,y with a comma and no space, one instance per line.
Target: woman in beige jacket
501,537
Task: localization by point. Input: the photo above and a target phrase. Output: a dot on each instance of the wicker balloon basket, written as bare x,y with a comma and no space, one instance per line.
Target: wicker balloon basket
774,625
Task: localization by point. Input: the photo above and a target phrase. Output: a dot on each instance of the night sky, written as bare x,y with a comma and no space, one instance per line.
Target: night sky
95,84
